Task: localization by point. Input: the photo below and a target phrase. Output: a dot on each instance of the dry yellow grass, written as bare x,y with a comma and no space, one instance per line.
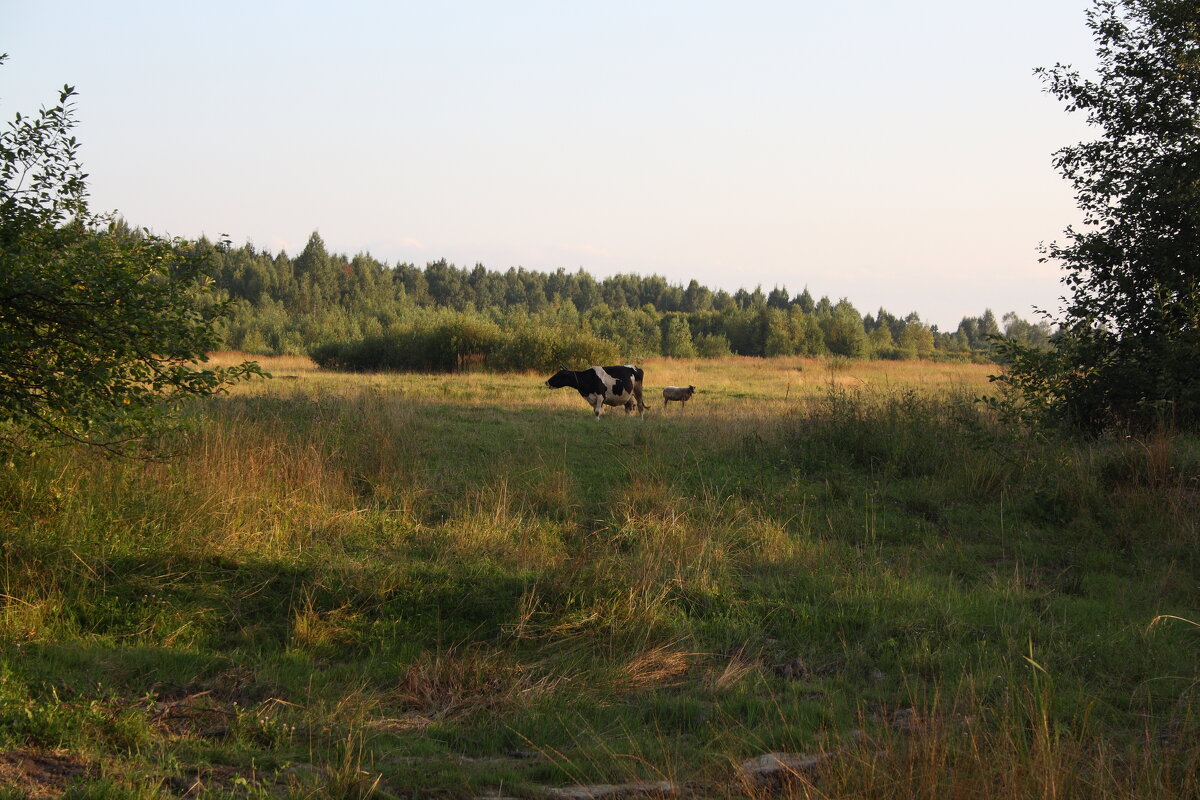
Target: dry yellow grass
664,665
463,681
746,386
276,365
782,378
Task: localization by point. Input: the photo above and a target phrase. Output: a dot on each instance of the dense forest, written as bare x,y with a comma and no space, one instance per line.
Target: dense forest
360,313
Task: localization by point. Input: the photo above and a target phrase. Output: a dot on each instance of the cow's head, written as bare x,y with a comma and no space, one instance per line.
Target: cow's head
564,377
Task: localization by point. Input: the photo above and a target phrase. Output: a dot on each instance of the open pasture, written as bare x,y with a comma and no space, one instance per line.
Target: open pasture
463,585
733,386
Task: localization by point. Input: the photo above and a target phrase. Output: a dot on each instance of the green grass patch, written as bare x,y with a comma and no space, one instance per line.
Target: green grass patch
403,585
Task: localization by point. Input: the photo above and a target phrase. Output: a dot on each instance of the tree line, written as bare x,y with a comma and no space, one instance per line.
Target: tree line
101,326
360,313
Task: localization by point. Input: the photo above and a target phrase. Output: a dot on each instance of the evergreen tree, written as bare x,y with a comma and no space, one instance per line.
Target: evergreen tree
587,293
315,272
778,298
723,301
696,297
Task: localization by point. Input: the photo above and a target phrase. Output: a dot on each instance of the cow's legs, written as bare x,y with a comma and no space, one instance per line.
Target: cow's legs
599,404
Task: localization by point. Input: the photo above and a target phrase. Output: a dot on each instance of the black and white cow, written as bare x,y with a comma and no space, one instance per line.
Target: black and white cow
604,386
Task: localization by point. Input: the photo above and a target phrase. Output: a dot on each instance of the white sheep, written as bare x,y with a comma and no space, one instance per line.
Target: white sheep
678,393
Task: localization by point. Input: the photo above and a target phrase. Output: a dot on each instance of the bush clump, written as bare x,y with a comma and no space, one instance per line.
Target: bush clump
457,342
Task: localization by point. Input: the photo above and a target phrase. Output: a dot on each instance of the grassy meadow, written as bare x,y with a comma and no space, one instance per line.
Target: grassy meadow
465,586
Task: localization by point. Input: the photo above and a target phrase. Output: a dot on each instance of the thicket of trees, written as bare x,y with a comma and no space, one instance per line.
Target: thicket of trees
1129,351
101,326
360,313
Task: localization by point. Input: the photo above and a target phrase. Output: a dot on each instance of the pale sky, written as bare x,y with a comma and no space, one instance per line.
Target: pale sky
896,154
